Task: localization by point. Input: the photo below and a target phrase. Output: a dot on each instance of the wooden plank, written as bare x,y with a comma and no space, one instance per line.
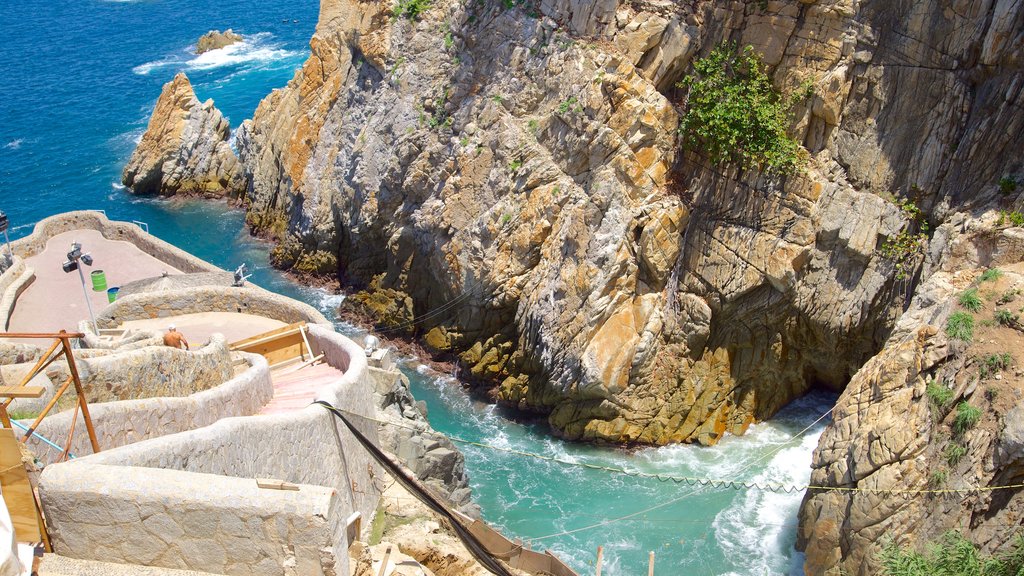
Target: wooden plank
21,391
273,484
41,335
17,490
266,335
282,355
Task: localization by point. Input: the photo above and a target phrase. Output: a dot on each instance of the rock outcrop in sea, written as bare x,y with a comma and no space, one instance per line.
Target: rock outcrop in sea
185,150
215,39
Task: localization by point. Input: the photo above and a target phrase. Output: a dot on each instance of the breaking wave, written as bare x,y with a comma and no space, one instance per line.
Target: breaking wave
256,50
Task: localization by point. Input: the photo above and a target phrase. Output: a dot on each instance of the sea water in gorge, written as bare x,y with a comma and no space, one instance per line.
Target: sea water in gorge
79,82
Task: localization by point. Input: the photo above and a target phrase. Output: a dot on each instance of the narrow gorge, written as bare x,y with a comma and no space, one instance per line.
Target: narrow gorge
504,179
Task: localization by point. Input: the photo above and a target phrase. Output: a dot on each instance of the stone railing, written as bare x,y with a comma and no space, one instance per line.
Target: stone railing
151,372
129,421
189,500
92,220
246,300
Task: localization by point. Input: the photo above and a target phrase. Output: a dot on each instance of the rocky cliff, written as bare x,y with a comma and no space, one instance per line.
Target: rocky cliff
185,149
512,168
504,179
930,413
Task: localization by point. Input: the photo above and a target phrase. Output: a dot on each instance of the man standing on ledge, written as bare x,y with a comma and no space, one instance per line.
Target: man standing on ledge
175,339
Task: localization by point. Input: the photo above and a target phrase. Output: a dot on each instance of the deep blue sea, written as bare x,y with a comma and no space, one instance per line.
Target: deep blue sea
79,80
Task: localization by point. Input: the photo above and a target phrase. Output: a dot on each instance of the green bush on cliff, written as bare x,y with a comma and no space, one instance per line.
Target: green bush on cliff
967,417
411,9
969,299
960,326
952,555
939,395
733,113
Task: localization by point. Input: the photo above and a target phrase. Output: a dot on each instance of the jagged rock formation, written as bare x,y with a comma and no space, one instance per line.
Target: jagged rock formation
185,149
889,434
517,170
215,39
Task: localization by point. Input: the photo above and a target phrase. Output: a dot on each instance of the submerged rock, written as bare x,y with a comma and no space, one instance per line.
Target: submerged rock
185,149
215,39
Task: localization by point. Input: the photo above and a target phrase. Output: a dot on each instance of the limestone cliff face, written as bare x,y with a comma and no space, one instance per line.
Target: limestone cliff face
515,173
888,434
185,149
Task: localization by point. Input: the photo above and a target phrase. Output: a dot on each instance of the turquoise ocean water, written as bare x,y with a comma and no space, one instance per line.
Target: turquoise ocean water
79,79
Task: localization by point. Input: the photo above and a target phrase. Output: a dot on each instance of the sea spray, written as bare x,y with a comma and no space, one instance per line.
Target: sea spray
256,50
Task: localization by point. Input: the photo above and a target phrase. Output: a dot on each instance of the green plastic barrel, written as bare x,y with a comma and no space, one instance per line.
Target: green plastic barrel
99,280
112,293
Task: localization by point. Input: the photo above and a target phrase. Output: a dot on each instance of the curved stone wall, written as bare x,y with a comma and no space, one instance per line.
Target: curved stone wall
128,421
245,300
308,447
92,220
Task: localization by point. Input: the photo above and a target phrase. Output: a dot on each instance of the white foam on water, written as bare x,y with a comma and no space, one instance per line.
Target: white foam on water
757,531
254,50
328,301
14,144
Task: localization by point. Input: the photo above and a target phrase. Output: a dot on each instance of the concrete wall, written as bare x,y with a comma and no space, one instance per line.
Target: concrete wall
129,421
154,371
91,220
194,521
307,447
247,300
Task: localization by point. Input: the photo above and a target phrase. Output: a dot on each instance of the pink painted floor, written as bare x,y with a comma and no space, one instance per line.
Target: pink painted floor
54,301
294,390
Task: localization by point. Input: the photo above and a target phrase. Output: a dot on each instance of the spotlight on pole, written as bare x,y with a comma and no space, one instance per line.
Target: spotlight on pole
3,228
75,256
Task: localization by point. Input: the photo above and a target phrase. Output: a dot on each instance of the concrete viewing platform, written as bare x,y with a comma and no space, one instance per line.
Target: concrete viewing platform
54,300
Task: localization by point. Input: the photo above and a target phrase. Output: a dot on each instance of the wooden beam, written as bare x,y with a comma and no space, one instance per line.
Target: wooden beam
81,394
273,484
650,564
22,391
17,490
600,557
266,335
61,334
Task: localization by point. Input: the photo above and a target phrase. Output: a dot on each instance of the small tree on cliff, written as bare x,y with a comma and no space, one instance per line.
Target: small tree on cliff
733,113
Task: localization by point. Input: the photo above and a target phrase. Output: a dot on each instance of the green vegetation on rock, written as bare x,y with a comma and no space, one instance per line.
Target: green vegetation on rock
939,395
990,275
733,113
411,9
970,300
954,453
960,326
1007,184
967,417
952,555
902,250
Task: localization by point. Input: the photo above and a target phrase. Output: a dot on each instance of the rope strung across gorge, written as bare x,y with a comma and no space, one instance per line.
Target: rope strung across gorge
708,482
475,547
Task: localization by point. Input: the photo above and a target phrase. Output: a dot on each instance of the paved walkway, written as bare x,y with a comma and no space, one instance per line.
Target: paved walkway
295,389
54,301
198,328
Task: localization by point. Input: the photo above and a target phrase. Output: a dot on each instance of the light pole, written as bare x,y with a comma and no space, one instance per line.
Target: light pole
3,228
74,257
